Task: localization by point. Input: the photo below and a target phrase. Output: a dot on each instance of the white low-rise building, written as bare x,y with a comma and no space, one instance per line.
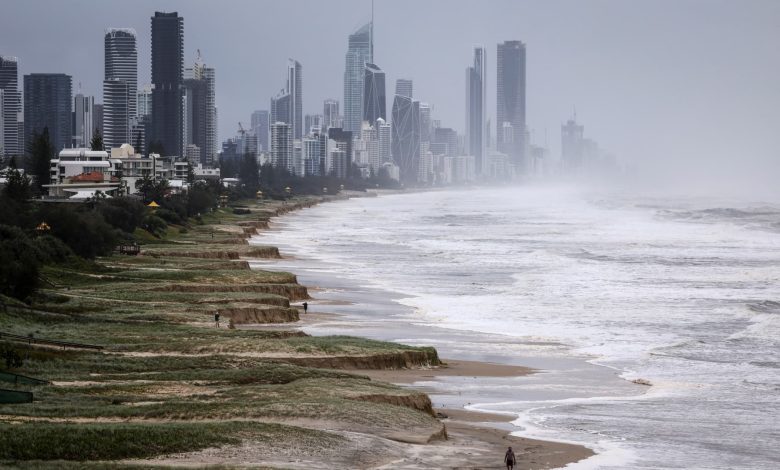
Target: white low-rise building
80,173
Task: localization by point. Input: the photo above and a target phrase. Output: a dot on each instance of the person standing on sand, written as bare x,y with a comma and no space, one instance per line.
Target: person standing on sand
216,318
509,459
305,307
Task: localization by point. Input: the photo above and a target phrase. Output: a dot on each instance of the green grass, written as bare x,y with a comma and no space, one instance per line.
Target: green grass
183,396
114,441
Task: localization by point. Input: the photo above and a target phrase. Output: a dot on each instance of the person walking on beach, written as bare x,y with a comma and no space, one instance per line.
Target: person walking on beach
509,459
305,307
216,318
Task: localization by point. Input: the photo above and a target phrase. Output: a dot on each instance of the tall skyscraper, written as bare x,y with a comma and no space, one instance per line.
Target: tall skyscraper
384,130
120,83
405,139
572,143
312,123
426,123
374,94
280,108
510,101
282,146
144,102
448,139
261,127
116,113
341,163
200,113
295,87
47,102
476,114
404,87
287,106
83,120
359,53
10,105
167,78
330,113
194,128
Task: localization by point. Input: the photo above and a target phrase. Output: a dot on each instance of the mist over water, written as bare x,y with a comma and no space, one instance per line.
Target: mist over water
681,292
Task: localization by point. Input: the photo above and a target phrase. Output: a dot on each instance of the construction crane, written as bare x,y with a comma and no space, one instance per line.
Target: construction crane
241,129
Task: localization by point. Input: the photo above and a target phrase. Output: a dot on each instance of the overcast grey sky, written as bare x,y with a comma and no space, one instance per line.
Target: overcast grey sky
677,80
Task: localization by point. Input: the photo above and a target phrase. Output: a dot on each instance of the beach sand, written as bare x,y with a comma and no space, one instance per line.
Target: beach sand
451,368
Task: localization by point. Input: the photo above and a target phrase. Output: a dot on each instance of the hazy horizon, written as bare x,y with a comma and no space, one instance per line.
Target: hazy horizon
691,85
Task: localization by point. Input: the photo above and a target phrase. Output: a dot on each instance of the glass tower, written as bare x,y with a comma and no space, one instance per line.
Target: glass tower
359,53
167,78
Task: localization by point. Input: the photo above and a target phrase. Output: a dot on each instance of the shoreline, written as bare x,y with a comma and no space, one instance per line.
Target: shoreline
462,424
166,387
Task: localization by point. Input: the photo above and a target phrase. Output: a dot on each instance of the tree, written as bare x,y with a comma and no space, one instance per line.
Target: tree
200,198
249,173
18,187
228,167
19,263
84,231
97,141
39,160
152,190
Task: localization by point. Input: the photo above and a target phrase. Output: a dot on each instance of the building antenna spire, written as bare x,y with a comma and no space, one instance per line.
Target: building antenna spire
371,40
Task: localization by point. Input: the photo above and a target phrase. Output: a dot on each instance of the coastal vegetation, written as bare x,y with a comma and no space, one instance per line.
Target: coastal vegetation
143,371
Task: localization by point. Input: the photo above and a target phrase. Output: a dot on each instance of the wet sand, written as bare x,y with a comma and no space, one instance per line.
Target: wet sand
451,368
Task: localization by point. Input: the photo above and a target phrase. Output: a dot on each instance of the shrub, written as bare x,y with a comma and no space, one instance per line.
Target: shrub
19,263
123,213
84,231
52,249
169,216
154,225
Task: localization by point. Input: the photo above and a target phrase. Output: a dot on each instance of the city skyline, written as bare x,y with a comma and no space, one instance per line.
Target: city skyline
563,73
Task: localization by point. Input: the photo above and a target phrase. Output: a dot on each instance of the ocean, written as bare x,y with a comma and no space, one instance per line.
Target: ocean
594,288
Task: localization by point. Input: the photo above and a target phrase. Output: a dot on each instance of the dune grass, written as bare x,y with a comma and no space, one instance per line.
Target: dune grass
114,441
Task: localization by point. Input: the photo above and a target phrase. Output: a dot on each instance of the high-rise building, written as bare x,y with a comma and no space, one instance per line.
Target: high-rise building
404,87
369,138
341,163
359,53
287,105
313,124
47,103
121,76
384,131
314,154
280,108
295,87
448,139
83,120
426,123
282,146
476,114
167,78
144,102
406,137
200,113
194,128
97,118
10,105
373,94
510,101
330,113
116,113
572,145
261,127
